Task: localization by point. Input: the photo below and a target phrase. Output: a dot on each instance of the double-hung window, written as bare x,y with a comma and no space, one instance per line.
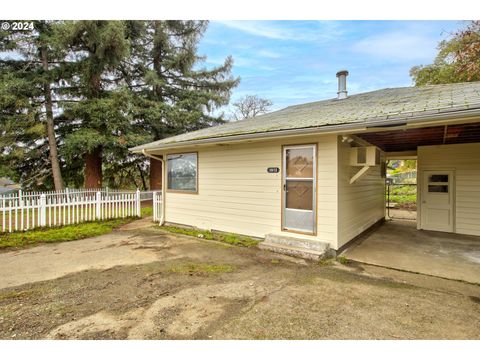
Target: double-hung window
182,174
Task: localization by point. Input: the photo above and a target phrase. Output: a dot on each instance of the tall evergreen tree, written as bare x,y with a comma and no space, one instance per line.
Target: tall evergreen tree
174,93
27,118
96,110
112,85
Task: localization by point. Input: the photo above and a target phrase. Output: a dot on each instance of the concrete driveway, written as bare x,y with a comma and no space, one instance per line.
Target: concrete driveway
51,261
399,245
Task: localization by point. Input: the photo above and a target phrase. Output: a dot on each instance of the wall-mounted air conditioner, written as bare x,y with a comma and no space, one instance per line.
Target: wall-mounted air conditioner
364,156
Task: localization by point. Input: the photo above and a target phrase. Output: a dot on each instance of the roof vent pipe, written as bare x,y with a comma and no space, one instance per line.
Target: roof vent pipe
342,84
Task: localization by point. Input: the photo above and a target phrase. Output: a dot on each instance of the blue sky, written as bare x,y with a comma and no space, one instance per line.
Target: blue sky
293,62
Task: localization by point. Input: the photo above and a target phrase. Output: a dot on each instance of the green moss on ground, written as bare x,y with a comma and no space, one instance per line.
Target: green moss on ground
201,268
14,294
232,239
325,262
342,260
60,234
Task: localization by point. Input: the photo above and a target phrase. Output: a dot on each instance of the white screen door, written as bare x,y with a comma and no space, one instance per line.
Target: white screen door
437,201
299,190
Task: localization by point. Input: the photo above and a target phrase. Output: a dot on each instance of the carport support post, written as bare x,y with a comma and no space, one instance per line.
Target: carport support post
98,205
43,210
137,199
388,199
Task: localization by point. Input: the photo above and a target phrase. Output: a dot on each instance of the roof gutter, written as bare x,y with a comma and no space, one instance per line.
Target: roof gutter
380,124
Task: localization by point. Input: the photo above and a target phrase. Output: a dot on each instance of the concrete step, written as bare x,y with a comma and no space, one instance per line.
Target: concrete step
292,250
297,242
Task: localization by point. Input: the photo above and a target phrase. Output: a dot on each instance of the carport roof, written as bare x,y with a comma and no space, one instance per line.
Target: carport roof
410,139
366,109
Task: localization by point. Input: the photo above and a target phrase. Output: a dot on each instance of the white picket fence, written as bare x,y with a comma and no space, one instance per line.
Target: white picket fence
157,206
70,193
25,211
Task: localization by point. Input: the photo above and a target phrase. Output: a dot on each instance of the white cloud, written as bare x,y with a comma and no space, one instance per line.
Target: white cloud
269,54
398,46
288,30
217,61
260,28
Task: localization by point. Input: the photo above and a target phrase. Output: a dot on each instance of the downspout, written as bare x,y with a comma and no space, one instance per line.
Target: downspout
162,218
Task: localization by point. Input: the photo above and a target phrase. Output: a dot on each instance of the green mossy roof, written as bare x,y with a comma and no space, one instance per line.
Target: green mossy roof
381,105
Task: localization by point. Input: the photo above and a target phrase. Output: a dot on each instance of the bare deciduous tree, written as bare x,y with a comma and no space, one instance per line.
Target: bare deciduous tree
250,106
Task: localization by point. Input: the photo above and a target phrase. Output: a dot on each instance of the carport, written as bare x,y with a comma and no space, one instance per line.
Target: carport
399,245
444,241
448,172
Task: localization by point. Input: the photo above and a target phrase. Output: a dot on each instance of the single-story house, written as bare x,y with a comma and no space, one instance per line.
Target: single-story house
313,175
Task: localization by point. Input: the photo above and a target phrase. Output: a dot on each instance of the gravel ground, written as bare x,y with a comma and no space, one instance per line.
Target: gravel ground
178,287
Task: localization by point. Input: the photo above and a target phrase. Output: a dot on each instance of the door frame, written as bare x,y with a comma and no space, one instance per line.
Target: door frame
421,195
314,188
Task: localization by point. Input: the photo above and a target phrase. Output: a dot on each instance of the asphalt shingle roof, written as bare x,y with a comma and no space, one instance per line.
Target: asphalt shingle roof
380,105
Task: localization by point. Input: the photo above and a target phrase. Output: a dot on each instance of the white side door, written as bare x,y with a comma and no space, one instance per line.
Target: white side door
437,200
299,188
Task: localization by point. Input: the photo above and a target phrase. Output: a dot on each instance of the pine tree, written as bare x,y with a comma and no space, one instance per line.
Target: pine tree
96,112
27,121
173,93
113,85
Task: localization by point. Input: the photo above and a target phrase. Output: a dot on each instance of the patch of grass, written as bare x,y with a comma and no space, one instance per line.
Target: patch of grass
15,294
325,261
204,234
146,211
232,239
403,196
201,268
342,260
403,199
275,261
60,234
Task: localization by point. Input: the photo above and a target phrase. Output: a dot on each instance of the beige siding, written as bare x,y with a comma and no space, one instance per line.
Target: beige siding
327,190
237,194
361,204
465,160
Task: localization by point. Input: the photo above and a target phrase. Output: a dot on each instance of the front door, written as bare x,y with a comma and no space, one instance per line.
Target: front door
299,190
437,201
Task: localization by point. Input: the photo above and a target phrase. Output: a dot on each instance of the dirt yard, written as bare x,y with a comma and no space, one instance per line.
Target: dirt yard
140,283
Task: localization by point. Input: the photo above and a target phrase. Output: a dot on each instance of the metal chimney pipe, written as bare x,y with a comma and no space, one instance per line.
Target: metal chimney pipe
342,84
